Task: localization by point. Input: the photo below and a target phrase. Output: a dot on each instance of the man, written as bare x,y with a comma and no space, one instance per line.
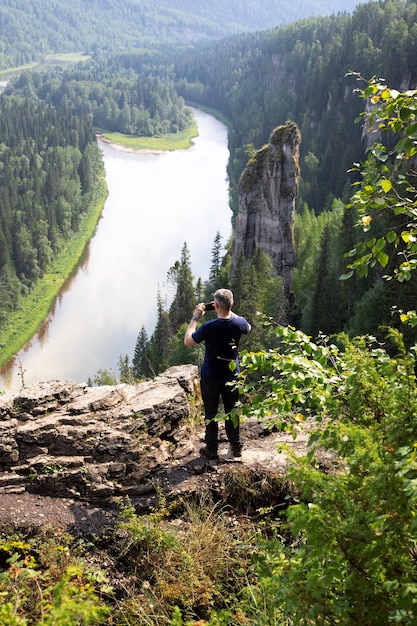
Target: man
221,337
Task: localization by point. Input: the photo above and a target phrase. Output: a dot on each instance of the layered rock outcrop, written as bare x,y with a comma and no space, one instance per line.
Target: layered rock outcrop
70,440
267,192
68,452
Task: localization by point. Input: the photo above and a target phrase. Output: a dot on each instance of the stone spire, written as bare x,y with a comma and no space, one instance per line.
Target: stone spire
267,191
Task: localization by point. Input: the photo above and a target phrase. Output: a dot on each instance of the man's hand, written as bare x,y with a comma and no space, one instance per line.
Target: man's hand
199,310
198,314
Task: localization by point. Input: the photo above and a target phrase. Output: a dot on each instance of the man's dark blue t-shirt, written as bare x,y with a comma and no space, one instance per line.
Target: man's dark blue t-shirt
221,337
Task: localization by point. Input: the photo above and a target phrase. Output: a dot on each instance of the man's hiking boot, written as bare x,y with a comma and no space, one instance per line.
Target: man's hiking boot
236,450
210,454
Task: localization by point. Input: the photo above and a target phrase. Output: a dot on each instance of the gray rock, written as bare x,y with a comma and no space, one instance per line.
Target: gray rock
68,440
267,191
69,452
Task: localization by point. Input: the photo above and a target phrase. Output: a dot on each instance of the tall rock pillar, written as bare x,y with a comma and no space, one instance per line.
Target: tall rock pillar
267,191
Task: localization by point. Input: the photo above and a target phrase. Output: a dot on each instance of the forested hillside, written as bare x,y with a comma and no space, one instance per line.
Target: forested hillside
49,167
259,80
30,30
145,106
299,72
326,535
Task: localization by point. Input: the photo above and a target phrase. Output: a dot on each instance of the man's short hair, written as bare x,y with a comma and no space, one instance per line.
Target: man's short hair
224,298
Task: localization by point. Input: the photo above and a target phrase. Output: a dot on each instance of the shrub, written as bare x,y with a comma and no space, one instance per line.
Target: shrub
352,560
41,584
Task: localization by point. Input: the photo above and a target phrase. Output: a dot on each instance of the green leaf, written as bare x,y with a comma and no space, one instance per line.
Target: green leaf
351,253
380,244
382,257
404,145
407,236
411,130
362,270
386,185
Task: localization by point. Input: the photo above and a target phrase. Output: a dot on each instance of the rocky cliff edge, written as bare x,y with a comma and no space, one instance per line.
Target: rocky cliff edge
68,452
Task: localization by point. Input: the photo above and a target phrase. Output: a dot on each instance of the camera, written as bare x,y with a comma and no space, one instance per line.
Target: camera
209,306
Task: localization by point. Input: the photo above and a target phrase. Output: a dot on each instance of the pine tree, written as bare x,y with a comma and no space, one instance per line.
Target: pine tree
199,291
214,275
140,364
184,300
125,370
159,345
240,281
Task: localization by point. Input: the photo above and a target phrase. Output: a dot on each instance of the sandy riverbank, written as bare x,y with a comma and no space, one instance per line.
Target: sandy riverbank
118,146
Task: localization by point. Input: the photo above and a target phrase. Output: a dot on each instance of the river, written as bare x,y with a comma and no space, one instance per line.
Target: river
156,202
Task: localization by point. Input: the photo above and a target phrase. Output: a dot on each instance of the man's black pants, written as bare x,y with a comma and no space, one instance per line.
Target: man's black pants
211,394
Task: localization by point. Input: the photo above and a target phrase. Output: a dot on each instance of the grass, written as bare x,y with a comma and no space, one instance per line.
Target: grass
184,563
22,325
172,141
14,71
68,57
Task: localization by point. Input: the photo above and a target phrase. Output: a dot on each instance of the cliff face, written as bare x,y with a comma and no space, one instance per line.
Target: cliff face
268,188
63,444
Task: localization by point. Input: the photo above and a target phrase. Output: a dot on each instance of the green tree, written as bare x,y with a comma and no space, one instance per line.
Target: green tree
259,290
326,296
10,291
104,377
240,282
26,257
180,276
125,370
199,291
323,302
351,558
216,260
386,198
180,354
140,361
159,342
